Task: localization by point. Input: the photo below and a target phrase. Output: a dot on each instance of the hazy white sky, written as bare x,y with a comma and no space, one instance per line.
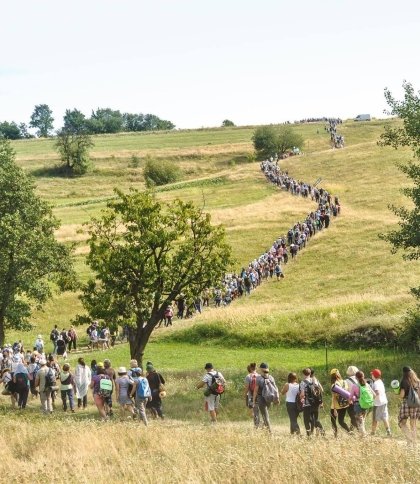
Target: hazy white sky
198,62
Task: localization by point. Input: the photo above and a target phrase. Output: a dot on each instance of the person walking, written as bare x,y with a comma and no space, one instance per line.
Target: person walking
338,404
21,385
99,392
410,382
66,387
123,392
265,393
380,409
44,390
359,394
250,383
317,402
291,390
72,336
156,383
211,397
54,337
82,378
141,393
350,381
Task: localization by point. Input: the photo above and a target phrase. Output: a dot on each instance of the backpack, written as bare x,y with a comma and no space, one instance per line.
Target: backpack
217,385
299,403
21,381
50,379
105,386
270,392
366,398
252,383
53,335
313,393
143,388
413,398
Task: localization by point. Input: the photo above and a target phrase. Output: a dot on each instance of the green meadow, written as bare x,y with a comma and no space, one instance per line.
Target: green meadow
342,302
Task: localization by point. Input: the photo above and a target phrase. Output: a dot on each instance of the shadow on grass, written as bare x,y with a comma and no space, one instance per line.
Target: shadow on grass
56,171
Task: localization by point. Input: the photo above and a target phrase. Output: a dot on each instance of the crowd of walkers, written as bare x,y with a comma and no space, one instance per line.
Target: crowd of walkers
41,376
337,140
353,397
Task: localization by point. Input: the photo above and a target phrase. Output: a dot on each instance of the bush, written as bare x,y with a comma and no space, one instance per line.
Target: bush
160,172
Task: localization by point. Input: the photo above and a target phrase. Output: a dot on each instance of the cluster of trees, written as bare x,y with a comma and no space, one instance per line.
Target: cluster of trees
101,121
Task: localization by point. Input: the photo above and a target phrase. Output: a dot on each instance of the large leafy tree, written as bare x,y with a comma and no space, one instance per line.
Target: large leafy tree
145,253
407,236
75,121
73,148
269,140
42,120
30,256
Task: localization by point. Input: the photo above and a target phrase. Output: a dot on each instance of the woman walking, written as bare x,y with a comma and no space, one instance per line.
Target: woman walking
123,384
291,389
66,387
338,403
358,395
250,384
410,382
21,384
100,393
82,377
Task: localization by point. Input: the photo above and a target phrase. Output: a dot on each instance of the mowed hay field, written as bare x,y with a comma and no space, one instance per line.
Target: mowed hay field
346,278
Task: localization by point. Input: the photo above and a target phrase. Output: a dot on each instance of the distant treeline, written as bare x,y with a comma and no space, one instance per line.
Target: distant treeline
101,121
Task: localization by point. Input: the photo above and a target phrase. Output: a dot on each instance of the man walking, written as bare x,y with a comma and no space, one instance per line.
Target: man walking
213,383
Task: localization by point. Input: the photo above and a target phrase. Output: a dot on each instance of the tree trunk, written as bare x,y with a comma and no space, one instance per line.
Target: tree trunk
139,337
2,333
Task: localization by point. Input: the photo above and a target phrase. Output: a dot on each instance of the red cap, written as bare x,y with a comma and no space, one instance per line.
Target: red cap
376,373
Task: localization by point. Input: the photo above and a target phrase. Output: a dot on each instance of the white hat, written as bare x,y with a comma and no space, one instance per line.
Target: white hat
122,370
42,361
39,336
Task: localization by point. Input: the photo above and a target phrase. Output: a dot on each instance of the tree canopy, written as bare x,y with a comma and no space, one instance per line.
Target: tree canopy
30,256
407,237
269,140
42,120
73,148
145,253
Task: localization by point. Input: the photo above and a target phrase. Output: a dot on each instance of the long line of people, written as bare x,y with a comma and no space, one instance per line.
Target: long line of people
270,264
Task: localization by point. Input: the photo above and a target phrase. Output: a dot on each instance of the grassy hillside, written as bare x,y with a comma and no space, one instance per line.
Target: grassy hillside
345,279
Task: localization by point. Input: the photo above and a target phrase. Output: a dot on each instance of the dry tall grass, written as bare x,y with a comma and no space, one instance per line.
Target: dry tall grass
171,452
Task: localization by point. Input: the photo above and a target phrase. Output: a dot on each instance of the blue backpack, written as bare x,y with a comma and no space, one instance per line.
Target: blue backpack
143,388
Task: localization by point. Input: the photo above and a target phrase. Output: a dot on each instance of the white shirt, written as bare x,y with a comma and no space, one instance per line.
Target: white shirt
292,392
380,399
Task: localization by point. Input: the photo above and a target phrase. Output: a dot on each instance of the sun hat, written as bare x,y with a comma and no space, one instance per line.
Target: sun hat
352,370
39,336
99,364
376,373
208,366
334,371
122,370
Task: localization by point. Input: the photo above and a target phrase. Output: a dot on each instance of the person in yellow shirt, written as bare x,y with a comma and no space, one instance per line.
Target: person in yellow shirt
338,403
